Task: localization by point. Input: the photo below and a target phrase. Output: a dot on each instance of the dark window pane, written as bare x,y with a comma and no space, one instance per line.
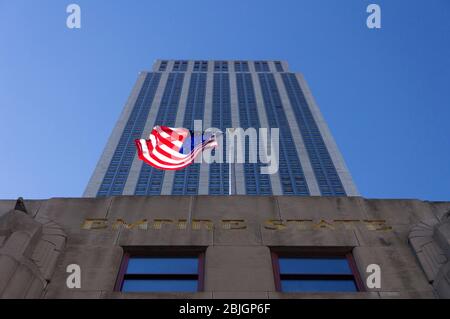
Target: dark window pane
162,285
318,286
162,266
307,266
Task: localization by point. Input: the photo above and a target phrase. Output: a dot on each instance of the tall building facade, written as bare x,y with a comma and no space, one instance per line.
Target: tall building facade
224,94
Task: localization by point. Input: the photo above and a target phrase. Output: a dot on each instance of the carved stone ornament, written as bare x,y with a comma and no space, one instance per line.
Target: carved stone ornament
29,249
430,240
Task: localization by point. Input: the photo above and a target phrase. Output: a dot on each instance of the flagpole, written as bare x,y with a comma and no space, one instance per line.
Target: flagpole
231,151
229,171
229,182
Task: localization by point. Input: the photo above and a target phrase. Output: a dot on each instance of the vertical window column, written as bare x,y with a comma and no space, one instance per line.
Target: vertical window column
221,119
290,170
186,180
150,179
116,175
321,162
255,182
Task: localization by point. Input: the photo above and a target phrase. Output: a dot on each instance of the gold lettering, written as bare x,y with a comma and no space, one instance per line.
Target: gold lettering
95,223
197,224
233,224
323,224
274,224
140,224
158,223
181,224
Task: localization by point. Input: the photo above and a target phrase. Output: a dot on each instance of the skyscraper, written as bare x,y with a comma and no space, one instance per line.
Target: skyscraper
223,94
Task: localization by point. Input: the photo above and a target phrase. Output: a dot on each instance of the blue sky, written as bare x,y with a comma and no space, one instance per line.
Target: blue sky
384,93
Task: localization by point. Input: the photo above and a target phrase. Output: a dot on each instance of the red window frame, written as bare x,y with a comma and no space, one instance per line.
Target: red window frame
161,253
315,252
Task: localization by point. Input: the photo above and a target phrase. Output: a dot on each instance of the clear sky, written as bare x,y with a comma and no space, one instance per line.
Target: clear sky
384,93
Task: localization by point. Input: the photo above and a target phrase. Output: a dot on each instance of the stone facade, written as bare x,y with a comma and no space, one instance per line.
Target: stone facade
409,239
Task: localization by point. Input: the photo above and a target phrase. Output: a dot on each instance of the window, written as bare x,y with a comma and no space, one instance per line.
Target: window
279,66
261,66
180,66
163,66
241,66
161,272
200,66
316,272
220,66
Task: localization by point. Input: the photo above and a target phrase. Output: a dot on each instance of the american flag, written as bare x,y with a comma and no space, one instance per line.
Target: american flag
170,148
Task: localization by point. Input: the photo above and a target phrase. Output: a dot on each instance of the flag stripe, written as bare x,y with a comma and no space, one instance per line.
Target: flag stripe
162,149
152,159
